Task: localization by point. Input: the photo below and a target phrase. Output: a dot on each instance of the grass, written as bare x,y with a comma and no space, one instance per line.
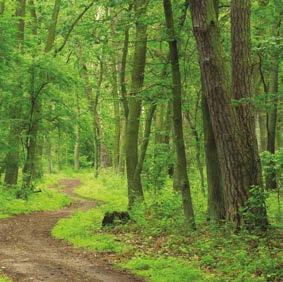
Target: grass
46,200
167,269
160,248
4,278
83,229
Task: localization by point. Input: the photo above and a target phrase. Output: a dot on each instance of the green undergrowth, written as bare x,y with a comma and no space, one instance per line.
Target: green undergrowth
156,245
4,278
44,200
83,229
165,269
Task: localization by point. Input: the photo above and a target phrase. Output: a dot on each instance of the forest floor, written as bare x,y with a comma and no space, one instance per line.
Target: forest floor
29,253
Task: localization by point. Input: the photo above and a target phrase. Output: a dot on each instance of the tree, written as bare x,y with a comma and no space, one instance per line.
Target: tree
135,191
228,136
181,181
12,157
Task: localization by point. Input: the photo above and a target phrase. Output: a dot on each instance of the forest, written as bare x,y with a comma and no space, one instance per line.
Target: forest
141,140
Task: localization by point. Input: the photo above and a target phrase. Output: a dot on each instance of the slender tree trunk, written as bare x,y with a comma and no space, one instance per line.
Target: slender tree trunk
147,131
117,116
49,153
135,192
77,137
196,136
181,181
231,147
271,182
122,154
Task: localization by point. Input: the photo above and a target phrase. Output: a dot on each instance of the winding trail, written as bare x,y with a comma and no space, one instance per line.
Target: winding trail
29,253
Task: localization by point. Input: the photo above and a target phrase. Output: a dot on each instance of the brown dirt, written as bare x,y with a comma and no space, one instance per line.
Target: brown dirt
29,253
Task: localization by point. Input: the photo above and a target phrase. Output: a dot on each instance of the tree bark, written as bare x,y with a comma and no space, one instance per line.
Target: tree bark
135,191
231,148
241,85
181,181
216,207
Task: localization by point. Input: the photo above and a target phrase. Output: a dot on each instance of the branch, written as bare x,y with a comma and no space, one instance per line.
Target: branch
72,27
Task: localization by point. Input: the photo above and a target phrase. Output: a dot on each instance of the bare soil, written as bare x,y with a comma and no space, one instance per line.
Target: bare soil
29,253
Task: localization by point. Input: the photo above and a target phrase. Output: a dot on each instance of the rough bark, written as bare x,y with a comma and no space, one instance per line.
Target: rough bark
135,191
241,84
216,207
228,136
181,181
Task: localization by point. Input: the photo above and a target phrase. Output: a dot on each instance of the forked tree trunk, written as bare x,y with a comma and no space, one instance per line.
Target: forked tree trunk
181,181
231,147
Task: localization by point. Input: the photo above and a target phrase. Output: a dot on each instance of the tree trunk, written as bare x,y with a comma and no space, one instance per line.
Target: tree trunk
135,192
241,85
77,137
216,207
271,182
181,181
231,147
14,139
117,118
35,113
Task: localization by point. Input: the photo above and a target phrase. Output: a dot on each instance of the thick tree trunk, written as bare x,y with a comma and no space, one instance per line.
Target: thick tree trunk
241,85
231,147
135,192
181,181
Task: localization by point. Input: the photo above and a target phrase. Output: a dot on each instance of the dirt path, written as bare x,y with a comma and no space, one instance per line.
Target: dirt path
29,253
